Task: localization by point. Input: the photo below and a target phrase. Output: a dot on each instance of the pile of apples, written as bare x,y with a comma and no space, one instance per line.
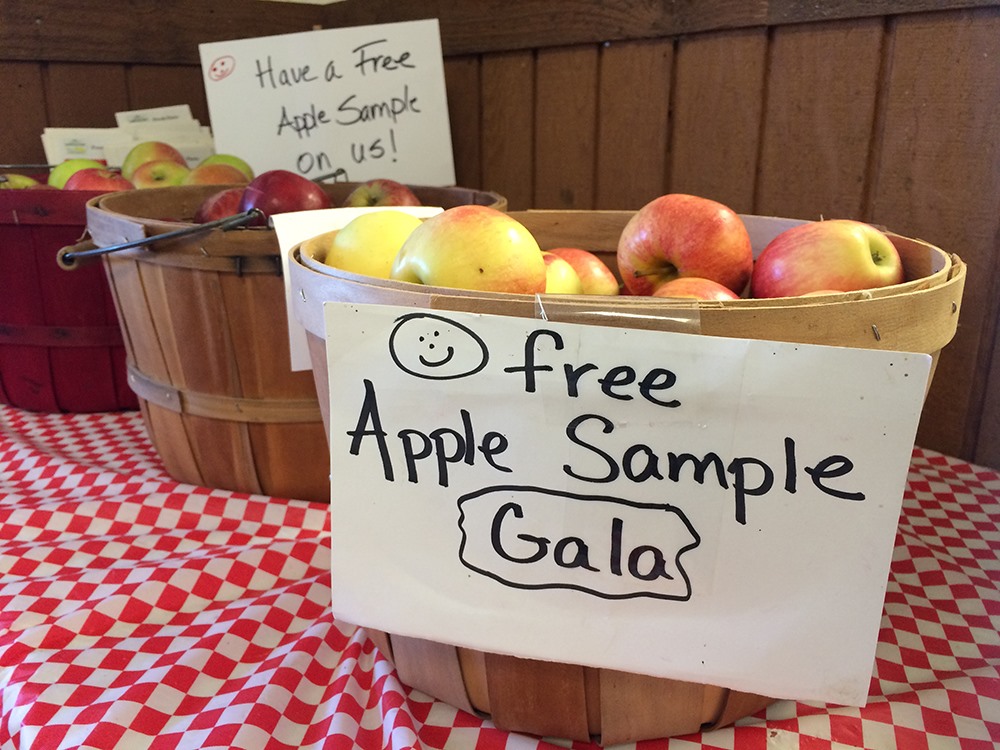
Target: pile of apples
149,164
676,246
281,191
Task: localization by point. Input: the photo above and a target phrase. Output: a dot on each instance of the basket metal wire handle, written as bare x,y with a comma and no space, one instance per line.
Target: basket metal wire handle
69,257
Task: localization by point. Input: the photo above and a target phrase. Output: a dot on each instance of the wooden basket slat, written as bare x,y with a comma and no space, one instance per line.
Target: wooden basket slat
432,668
738,705
477,689
169,436
635,705
541,697
281,453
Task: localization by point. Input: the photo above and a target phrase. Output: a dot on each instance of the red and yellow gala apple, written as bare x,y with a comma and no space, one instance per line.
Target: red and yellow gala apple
684,235
148,151
692,287
595,276
472,247
232,161
98,179
381,192
836,254
215,174
161,173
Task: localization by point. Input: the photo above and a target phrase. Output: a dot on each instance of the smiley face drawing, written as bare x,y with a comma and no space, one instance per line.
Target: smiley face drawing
221,67
433,347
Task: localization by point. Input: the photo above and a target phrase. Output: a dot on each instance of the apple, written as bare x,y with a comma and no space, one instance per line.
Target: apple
684,235
693,287
98,179
148,151
162,173
12,181
595,276
560,276
368,244
65,169
472,247
279,191
232,161
835,254
381,193
219,205
215,174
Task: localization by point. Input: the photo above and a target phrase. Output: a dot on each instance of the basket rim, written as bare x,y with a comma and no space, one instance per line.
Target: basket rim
945,261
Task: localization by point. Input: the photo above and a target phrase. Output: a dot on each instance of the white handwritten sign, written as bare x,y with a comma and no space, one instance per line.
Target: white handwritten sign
359,103
714,510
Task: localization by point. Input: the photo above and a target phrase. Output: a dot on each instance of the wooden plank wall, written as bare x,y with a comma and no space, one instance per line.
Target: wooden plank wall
886,112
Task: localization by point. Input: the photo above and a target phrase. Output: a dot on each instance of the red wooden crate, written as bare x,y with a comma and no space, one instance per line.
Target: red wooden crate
61,346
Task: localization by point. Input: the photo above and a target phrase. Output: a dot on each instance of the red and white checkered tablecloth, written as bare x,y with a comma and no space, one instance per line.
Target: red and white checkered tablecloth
136,612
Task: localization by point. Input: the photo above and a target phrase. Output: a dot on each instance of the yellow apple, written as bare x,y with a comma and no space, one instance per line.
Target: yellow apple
12,181
368,244
560,276
472,247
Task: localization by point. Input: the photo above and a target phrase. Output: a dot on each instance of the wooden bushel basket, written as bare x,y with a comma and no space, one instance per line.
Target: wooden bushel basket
205,327
577,702
61,348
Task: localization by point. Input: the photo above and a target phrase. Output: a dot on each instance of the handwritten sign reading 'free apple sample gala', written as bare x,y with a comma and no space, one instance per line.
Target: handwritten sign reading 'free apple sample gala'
359,103
719,511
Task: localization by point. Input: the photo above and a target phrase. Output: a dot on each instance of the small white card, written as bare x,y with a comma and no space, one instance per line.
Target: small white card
173,125
715,510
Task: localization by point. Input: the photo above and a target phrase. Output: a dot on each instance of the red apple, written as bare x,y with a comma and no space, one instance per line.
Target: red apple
684,235
837,254
148,151
381,193
66,168
215,174
98,180
595,276
693,287
162,173
472,247
279,191
219,205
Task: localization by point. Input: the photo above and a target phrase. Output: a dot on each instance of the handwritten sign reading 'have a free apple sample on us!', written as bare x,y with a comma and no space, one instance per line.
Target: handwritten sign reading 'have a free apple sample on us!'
720,511
357,103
